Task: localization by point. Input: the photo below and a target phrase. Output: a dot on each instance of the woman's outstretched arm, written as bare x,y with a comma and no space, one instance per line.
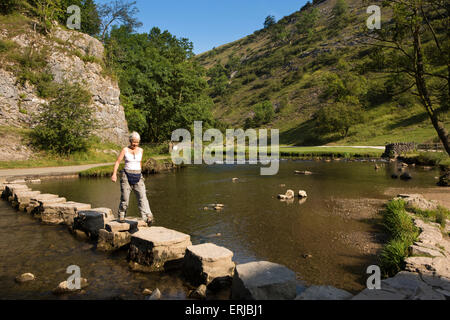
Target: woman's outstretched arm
117,164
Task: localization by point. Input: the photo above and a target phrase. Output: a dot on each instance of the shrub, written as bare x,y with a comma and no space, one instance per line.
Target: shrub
65,124
403,234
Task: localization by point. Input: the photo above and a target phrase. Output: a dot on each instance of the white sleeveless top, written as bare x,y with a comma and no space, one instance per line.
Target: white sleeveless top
132,162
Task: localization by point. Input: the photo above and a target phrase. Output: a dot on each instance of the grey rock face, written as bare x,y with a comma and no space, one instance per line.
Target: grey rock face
263,280
18,103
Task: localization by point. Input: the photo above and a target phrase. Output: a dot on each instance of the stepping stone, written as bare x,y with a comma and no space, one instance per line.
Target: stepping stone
204,262
36,206
62,213
91,221
10,188
324,293
111,241
116,226
157,248
423,251
263,280
22,199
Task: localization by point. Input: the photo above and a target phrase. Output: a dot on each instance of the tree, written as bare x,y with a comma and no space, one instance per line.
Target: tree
307,22
65,124
118,11
159,81
90,20
339,118
416,45
218,79
270,21
47,11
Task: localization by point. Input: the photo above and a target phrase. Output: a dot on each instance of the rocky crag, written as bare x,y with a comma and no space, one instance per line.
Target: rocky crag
70,56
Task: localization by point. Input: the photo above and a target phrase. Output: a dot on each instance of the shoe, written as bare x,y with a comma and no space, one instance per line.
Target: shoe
150,221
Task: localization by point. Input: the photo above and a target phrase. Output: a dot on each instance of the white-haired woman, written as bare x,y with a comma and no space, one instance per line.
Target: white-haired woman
131,179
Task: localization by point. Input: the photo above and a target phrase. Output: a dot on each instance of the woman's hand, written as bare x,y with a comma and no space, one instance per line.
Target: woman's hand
114,178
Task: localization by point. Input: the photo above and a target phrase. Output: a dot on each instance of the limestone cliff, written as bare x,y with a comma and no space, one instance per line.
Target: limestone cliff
70,56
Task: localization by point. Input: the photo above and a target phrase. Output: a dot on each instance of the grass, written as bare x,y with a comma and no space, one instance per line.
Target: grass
403,233
440,215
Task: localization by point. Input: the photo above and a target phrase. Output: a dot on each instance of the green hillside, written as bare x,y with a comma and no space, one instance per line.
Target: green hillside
302,65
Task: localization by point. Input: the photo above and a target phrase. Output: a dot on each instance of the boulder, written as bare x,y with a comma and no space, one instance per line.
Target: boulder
111,241
418,201
444,180
199,293
156,295
406,176
33,202
324,293
289,195
62,213
263,280
302,194
204,262
25,277
63,287
157,248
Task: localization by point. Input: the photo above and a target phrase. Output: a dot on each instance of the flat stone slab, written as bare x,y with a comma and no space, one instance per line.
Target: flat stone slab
62,213
205,262
10,188
424,251
263,280
404,286
116,226
112,241
157,248
324,293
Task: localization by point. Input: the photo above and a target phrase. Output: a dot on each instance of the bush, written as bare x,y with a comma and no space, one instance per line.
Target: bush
65,124
338,118
403,233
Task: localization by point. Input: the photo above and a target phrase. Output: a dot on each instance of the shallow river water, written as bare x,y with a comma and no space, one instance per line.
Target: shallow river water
329,239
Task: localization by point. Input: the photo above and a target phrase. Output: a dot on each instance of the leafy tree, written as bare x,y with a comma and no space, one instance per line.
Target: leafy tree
11,6
65,124
159,81
270,21
118,11
339,118
264,113
90,19
416,45
218,79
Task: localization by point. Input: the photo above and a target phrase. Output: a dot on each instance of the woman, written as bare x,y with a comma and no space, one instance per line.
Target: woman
131,179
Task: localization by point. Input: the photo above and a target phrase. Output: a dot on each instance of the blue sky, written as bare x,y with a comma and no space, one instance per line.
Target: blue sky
211,23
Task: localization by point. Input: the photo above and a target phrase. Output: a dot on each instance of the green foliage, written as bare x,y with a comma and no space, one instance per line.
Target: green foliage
264,114
159,81
269,21
340,15
307,21
218,80
65,124
403,234
338,118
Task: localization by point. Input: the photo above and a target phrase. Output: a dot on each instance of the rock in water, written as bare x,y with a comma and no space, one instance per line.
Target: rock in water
156,295
25,277
199,293
63,287
406,176
444,180
302,194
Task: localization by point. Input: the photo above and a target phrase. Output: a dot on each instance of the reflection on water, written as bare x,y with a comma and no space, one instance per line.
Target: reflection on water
312,238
